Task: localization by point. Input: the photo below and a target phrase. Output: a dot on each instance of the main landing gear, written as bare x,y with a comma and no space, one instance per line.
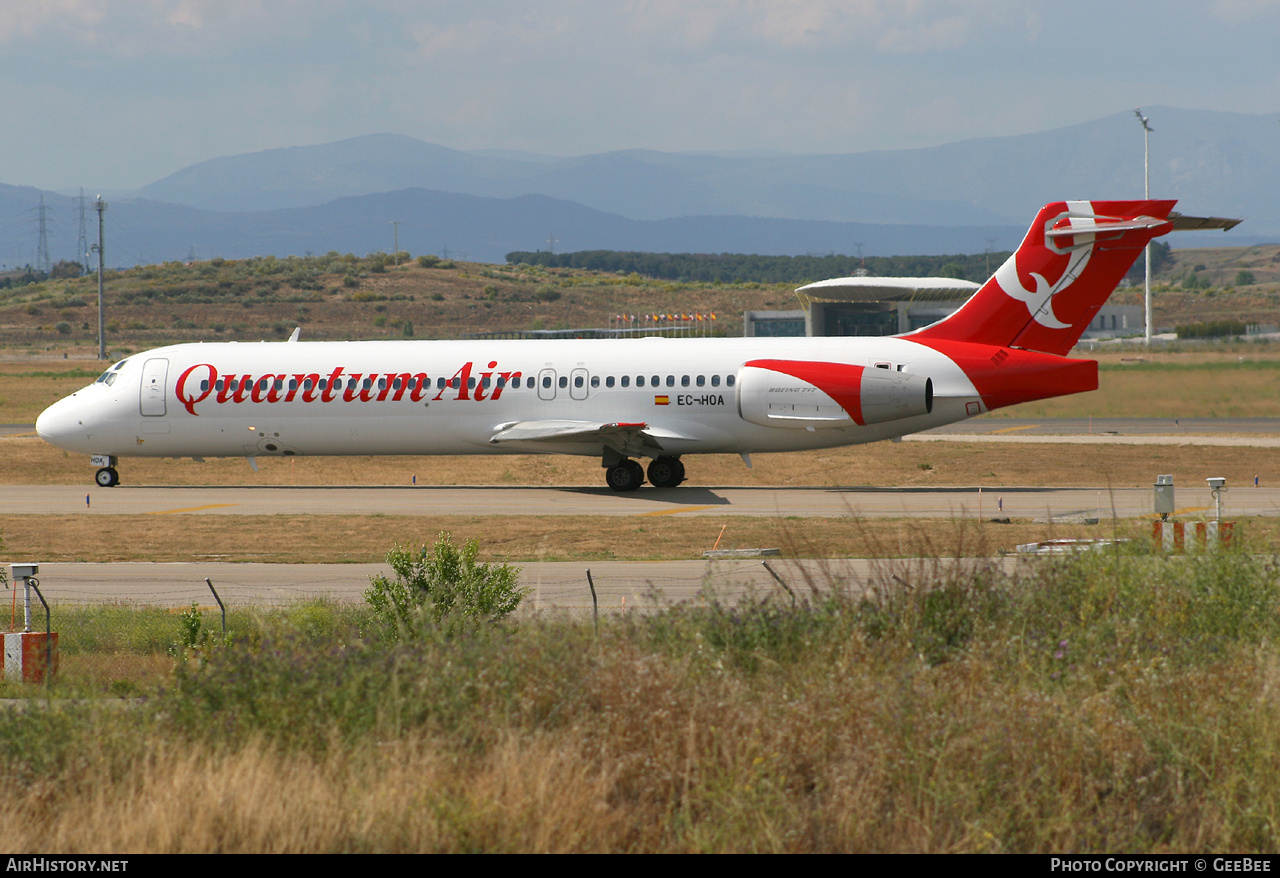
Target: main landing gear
627,475
666,472
624,476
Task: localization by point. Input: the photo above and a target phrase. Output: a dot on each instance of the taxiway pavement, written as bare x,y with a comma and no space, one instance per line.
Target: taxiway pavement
1055,504
559,585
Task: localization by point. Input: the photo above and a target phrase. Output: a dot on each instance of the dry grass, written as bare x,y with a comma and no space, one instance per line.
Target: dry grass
27,460
1241,383
524,796
1101,704
336,539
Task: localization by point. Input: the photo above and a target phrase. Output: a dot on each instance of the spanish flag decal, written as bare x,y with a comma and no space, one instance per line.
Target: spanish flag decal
662,400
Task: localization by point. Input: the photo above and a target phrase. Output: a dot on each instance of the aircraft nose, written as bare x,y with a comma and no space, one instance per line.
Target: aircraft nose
59,423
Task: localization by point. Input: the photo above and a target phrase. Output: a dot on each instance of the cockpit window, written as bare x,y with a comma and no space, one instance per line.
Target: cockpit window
109,377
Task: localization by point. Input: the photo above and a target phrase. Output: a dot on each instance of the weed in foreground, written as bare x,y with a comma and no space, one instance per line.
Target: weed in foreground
1101,702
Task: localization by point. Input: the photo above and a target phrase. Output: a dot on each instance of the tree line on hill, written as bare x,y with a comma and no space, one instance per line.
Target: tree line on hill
746,268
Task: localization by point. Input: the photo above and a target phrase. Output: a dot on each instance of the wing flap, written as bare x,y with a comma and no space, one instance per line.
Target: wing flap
560,430
628,439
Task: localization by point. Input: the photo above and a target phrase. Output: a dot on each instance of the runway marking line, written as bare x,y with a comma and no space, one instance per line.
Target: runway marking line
1186,510
1013,429
676,511
192,509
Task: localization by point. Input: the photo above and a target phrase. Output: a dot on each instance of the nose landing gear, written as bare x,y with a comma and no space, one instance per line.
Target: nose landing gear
107,477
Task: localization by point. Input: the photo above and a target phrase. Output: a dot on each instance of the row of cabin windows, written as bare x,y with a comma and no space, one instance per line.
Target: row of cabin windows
654,381
397,383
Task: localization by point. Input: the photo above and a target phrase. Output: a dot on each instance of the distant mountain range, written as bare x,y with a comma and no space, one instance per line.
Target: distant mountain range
956,198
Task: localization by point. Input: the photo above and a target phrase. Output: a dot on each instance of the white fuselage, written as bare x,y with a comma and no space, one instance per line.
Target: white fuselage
452,397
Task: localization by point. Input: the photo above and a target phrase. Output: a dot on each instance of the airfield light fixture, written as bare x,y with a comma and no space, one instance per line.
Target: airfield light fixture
100,206
1146,175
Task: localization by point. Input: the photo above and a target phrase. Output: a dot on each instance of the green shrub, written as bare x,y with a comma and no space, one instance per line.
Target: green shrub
441,588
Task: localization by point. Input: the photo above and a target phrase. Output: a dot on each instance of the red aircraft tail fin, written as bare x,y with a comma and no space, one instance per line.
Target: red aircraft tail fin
1048,291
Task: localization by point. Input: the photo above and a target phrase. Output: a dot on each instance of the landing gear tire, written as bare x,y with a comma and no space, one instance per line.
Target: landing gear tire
666,472
625,476
107,477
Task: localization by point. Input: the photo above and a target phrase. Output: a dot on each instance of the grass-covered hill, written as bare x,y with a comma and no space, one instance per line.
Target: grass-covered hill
338,296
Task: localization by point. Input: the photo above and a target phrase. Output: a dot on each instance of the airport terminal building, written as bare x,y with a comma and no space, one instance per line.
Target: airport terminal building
878,306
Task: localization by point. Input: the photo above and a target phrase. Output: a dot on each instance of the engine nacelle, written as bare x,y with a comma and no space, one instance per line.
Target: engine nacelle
808,395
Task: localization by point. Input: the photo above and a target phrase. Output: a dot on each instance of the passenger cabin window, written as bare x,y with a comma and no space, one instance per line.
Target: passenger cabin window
715,380
702,380
639,381
626,380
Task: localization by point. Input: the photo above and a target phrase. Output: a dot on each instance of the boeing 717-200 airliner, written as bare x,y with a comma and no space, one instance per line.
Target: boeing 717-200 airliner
623,399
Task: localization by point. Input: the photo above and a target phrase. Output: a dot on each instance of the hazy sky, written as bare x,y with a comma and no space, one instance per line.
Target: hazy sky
112,94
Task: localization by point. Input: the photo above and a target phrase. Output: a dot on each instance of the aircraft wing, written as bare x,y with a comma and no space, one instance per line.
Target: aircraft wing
625,438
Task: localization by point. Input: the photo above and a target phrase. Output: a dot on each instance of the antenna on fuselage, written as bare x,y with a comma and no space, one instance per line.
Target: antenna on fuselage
297,331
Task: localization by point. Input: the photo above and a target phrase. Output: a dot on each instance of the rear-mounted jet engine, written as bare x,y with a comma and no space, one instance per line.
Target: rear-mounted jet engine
808,395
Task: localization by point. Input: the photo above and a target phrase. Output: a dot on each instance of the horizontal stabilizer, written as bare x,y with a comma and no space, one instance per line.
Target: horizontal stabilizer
1097,225
1045,295
1200,223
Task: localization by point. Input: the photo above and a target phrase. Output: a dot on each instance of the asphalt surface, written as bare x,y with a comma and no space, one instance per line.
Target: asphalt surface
992,425
1057,504
621,586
